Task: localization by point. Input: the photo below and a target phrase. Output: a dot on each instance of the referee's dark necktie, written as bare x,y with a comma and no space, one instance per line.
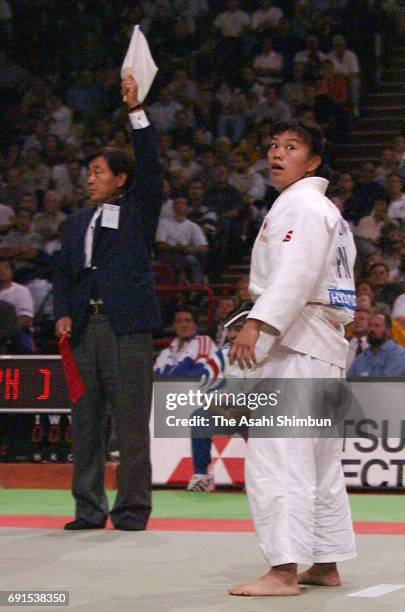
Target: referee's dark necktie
358,349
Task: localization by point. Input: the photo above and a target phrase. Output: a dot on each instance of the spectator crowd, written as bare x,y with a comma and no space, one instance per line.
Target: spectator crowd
228,70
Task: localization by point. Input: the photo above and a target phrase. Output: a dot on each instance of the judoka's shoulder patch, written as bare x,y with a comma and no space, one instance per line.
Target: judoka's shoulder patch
288,236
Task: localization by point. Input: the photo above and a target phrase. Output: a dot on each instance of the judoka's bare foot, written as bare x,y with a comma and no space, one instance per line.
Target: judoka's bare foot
280,580
321,574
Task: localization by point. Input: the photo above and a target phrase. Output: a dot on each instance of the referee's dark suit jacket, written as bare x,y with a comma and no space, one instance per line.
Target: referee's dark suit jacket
121,262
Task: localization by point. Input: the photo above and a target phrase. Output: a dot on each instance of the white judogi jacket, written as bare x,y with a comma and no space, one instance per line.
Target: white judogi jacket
301,276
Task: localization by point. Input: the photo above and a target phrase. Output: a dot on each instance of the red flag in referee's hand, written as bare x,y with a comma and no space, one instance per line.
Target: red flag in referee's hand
74,381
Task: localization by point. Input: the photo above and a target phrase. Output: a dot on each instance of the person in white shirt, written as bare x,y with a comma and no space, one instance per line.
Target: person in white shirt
393,185
17,295
268,65
65,177
346,64
358,342
312,57
60,118
163,111
6,218
302,285
186,161
267,17
369,227
232,22
182,243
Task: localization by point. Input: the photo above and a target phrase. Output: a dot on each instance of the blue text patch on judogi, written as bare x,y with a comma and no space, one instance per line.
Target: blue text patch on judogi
342,298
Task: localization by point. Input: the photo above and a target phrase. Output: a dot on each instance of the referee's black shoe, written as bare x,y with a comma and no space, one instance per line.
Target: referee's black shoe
81,523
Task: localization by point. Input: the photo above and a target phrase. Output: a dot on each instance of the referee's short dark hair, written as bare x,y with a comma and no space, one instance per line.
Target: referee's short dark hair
118,161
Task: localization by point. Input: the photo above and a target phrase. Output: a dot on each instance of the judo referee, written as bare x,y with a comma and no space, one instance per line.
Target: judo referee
302,285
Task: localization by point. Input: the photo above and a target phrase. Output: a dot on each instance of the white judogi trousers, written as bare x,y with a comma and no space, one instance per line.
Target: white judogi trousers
295,486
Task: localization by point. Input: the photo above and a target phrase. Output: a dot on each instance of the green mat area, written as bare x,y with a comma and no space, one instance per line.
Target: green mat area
180,504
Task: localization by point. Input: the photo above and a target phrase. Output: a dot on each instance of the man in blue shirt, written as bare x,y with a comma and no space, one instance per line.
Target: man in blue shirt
384,357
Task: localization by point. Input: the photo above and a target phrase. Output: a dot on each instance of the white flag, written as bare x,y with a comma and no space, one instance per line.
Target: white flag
139,63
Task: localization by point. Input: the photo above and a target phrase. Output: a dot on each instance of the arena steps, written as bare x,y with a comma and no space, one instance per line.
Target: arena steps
383,116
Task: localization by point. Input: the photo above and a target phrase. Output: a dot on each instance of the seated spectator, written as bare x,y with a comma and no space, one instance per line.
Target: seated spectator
369,227
352,206
231,123
332,84
12,190
6,218
208,168
358,341
294,90
398,320
268,65
301,20
182,243
223,198
384,357
396,209
84,96
182,88
28,201
378,278
178,183
18,296
189,352
8,326
346,64
181,133
225,306
229,27
392,244
248,83
202,479
364,296
240,175
387,165
186,161
164,110
207,109
312,58
267,17
329,115
60,118
399,149
200,213
65,177
23,246
273,108
47,223
242,291
397,274
36,175
367,189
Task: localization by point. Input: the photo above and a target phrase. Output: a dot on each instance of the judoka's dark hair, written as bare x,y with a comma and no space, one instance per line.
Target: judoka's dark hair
118,160
311,134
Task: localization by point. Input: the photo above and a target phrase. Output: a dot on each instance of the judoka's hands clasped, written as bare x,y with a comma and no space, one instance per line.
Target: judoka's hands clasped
243,349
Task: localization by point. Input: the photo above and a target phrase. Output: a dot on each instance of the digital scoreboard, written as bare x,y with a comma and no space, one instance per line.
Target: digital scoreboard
32,384
35,420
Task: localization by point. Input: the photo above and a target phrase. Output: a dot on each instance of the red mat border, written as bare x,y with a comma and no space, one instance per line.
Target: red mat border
188,524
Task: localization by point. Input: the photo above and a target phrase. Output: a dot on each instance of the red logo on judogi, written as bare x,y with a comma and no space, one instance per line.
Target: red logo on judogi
288,236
